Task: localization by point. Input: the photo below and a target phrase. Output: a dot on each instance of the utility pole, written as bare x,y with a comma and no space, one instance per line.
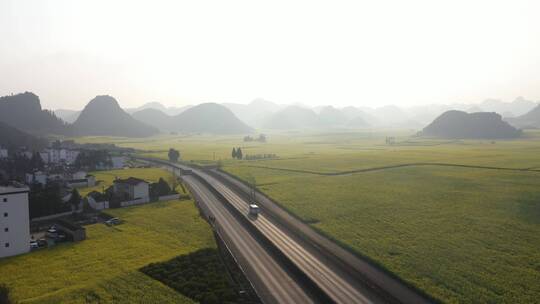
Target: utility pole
253,185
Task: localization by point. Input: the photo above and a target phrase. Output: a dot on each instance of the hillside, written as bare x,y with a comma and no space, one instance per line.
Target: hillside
23,111
103,116
459,124
209,118
528,120
12,138
155,118
292,117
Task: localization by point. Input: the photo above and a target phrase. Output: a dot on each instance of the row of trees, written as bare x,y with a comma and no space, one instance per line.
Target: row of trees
46,200
93,159
261,138
17,165
174,155
237,153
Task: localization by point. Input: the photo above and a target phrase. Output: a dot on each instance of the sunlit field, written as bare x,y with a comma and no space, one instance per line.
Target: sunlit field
104,267
459,219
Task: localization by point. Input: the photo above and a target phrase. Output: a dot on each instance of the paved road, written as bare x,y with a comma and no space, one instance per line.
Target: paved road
336,284
340,258
270,279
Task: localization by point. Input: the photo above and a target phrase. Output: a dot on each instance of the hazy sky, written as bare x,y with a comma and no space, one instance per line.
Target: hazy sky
313,52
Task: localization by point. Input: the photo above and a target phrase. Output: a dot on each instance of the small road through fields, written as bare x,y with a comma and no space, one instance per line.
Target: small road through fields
347,172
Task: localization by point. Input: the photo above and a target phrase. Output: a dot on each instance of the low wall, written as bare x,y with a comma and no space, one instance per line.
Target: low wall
142,200
53,216
168,197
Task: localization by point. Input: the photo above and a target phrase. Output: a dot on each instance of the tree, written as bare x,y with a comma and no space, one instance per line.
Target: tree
46,200
36,163
75,200
234,154
174,155
92,159
159,189
5,298
239,153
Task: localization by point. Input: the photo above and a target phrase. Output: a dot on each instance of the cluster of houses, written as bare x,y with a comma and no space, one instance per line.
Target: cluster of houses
61,167
77,179
128,192
14,206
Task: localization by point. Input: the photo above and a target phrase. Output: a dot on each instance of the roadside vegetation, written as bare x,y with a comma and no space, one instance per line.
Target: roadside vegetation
461,234
104,267
199,275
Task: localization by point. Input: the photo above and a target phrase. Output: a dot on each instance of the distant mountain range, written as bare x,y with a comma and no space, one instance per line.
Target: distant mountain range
204,118
459,124
12,138
24,112
530,120
70,116
171,111
255,113
103,116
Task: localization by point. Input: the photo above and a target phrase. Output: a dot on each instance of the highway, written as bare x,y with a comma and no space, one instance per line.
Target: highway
272,282
339,287
336,284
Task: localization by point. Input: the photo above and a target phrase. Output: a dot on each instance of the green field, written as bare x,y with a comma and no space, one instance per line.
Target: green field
464,229
104,267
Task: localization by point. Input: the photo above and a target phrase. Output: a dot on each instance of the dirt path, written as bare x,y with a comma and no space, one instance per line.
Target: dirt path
534,169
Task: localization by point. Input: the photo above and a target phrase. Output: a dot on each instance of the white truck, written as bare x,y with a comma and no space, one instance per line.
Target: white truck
254,209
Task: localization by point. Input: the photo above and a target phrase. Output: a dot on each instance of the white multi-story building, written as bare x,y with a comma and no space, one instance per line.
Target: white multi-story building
55,156
3,153
14,221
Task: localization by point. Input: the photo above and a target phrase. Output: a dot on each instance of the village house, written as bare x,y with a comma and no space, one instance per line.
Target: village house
132,188
97,201
86,181
37,177
14,220
117,162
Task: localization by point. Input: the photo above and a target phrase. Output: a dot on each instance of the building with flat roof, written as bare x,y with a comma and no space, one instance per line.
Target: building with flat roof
14,220
132,188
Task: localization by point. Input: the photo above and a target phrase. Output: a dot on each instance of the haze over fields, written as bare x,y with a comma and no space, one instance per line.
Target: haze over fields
339,53
221,152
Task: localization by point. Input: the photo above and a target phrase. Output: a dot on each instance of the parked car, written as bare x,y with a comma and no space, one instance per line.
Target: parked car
34,245
52,233
60,237
113,221
42,243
